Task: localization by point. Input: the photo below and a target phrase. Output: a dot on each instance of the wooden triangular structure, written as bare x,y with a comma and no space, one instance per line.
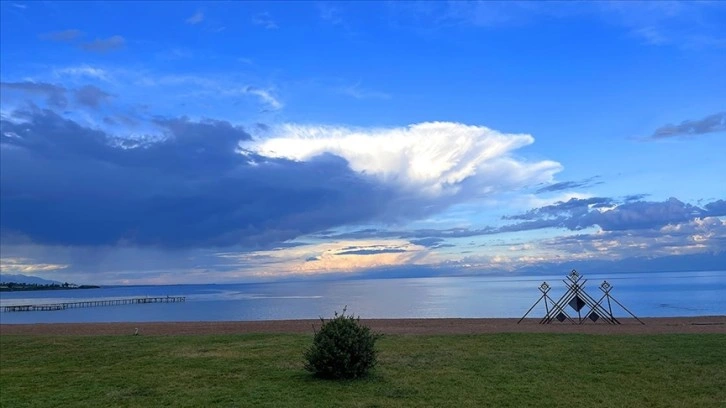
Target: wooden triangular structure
578,300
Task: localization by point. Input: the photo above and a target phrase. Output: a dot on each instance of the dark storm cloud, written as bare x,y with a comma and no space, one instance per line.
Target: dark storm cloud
65,184
709,124
55,96
568,185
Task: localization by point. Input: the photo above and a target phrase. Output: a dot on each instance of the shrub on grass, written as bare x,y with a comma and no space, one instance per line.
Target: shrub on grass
342,348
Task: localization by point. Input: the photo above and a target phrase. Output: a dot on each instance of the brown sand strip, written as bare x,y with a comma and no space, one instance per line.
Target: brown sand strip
707,324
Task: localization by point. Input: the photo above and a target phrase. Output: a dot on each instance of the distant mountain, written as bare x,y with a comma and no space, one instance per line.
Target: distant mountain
4,277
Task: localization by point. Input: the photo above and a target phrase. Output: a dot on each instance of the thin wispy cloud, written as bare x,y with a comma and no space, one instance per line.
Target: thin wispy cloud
682,24
20,6
196,18
86,71
265,20
105,44
265,96
710,124
176,53
651,35
62,36
569,185
330,13
91,96
358,92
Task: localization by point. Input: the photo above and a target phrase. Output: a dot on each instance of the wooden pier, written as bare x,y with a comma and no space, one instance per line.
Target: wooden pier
92,303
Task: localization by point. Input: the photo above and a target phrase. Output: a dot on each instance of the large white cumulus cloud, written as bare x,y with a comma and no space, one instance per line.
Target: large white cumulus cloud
433,158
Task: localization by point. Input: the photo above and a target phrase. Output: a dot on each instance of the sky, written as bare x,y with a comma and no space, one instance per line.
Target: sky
165,143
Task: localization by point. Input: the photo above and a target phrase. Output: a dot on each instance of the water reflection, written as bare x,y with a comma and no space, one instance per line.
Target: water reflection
645,294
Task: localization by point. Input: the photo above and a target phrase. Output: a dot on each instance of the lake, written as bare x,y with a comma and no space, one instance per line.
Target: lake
645,294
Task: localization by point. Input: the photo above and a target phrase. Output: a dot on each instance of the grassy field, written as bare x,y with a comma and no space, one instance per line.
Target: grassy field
504,370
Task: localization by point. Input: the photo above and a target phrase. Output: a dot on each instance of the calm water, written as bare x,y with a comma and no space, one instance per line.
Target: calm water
646,295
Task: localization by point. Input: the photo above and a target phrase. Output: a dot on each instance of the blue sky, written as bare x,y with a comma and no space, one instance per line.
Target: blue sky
228,142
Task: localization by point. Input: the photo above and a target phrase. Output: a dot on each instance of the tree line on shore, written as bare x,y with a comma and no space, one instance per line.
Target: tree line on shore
18,286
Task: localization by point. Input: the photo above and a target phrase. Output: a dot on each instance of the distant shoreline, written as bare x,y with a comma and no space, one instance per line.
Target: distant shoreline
35,288
654,325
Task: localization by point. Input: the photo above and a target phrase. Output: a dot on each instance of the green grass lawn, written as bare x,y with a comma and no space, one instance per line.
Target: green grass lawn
504,370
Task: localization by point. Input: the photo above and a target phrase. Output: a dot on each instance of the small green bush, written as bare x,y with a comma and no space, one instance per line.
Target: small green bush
343,348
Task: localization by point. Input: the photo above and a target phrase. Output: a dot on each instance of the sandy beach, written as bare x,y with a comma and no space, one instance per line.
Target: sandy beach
703,324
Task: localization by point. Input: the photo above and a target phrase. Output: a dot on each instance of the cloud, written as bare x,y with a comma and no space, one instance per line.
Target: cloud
635,197
330,14
344,258
83,71
22,265
120,120
427,242
611,216
62,36
651,35
569,185
175,53
574,205
196,18
697,235
715,208
54,95
710,124
431,238
265,20
578,214
330,258
190,185
432,159
103,45
206,183
357,92
91,96
688,25
265,97
684,24
373,251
